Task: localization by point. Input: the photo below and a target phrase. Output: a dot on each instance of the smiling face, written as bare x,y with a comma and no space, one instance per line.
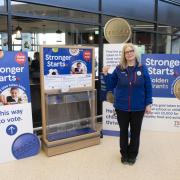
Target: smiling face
14,93
130,56
78,65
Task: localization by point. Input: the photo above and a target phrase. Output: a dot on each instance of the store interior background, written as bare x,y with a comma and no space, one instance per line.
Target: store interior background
155,24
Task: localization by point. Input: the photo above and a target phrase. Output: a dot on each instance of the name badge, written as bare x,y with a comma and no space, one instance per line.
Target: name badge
139,73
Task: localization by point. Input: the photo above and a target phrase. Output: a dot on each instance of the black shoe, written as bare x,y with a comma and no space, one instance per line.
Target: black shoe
124,160
131,161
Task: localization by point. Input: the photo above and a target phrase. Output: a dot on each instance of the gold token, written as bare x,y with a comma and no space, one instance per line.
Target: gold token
177,89
117,30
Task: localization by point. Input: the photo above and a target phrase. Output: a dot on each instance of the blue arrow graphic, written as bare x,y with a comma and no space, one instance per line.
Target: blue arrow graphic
11,130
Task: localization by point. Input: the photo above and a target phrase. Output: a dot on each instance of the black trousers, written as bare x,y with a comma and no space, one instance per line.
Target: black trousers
129,147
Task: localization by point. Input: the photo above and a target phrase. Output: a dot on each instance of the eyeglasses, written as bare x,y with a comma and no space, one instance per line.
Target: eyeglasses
127,52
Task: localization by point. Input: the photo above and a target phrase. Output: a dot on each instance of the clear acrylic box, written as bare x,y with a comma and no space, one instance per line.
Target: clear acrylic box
70,114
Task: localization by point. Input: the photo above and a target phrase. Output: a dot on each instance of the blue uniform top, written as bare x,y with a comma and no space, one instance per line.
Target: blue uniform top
131,87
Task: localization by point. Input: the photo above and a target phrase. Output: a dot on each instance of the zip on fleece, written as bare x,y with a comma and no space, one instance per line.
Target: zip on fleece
130,88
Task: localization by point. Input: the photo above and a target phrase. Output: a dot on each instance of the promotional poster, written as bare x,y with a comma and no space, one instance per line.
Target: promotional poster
66,68
16,127
164,70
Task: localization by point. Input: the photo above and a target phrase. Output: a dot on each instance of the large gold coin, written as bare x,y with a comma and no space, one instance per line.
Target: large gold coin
117,30
177,89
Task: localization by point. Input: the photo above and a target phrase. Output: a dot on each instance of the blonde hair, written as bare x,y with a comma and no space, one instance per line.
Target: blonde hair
123,61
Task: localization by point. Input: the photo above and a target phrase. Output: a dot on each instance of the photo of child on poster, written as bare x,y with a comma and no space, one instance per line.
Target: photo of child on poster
13,95
78,68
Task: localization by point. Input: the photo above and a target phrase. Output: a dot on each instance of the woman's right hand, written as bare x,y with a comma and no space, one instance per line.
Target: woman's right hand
105,70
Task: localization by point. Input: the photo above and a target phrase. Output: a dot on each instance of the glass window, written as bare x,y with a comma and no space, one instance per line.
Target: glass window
3,6
72,4
36,32
129,8
3,33
139,25
176,30
168,29
175,44
45,11
168,13
165,29
47,32
105,19
144,39
164,44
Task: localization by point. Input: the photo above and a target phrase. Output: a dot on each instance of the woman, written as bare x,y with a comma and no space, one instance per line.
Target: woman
132,89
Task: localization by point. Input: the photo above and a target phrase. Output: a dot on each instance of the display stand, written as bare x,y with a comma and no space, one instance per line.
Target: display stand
68,114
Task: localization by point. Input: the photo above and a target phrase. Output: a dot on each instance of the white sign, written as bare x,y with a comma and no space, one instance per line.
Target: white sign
112,55
66,82
110,124
165,115
15,120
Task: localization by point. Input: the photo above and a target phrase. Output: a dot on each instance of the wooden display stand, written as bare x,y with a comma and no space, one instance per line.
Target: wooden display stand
68,117
71,144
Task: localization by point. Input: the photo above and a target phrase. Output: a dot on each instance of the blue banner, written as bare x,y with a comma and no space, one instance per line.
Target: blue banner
164,70
15,108
58,61
14,77
67,68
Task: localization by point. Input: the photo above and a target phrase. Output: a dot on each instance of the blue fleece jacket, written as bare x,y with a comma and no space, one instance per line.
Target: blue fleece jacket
131,87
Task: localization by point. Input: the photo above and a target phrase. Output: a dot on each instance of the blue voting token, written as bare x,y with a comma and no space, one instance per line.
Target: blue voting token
25,145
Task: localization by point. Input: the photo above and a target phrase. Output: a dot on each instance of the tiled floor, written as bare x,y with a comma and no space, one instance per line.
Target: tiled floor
159,159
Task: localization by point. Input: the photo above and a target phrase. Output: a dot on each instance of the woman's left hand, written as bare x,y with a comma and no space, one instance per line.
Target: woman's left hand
148,109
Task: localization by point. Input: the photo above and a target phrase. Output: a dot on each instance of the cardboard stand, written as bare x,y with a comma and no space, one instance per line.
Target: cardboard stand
68,99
